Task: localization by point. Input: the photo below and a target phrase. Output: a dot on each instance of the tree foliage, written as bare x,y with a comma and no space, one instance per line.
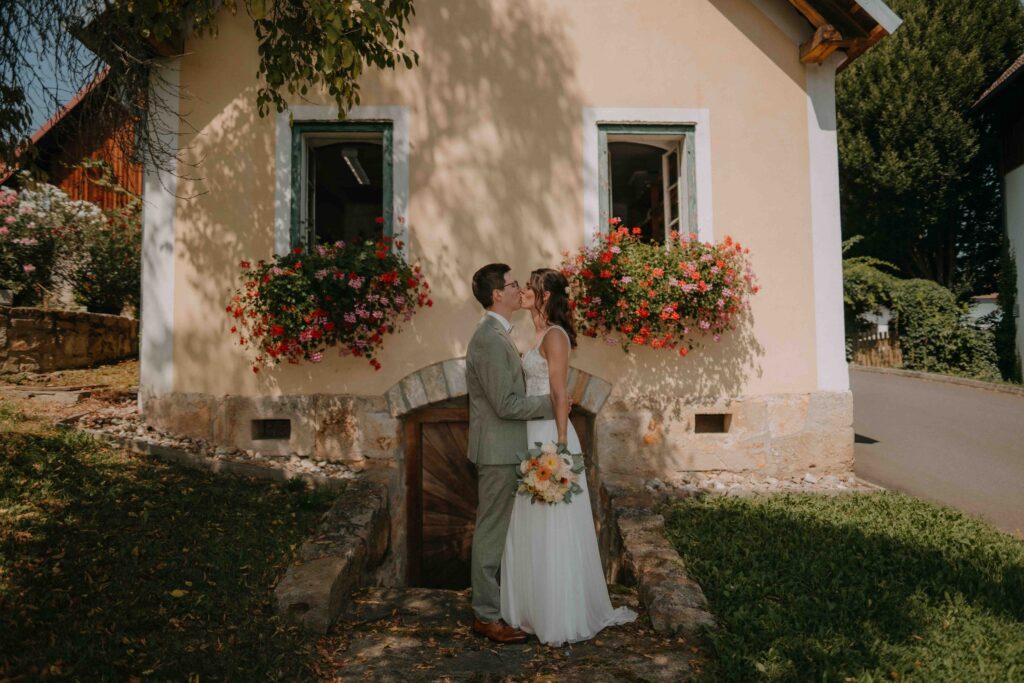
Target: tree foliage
1006,324
303,45
916,180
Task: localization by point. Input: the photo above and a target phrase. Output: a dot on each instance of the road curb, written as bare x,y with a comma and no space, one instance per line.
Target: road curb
944,379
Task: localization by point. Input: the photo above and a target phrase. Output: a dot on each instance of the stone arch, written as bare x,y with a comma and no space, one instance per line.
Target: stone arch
447,380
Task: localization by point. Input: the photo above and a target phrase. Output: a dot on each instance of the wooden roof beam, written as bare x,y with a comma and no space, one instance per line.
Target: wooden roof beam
813,16
826,40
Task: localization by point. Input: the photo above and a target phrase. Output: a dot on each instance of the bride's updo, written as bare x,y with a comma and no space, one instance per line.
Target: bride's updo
557,310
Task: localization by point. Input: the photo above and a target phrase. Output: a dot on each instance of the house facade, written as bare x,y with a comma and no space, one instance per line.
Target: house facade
1004,100
524,128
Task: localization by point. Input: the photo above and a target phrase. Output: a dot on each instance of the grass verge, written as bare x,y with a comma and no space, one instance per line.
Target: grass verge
853,588
115,568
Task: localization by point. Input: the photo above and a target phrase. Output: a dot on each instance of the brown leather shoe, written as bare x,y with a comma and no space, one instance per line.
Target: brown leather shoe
499,631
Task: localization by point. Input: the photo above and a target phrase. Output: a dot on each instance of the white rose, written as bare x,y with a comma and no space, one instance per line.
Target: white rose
549,448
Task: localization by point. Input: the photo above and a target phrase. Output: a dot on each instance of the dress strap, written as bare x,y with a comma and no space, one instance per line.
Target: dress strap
550,327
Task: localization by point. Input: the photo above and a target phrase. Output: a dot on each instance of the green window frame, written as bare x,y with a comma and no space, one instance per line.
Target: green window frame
304,130
687,168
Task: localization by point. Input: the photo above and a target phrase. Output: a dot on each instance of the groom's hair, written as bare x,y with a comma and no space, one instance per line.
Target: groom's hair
488,279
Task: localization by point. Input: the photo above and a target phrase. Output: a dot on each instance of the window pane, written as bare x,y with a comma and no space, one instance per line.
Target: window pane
636,180
348,190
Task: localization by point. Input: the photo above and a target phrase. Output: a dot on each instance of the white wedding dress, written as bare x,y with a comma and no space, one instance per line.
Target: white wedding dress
552,583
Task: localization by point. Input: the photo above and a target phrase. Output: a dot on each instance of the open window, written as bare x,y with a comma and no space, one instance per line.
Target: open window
342,184
647,178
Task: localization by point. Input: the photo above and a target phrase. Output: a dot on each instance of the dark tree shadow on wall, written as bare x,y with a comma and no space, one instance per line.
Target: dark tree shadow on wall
495,120
498,149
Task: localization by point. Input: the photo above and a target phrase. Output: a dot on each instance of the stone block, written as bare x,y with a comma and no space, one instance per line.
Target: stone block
379,433
312,594
829,410
433,380
824,452
675,603
337,430
787,414
396,401
455,375
414,391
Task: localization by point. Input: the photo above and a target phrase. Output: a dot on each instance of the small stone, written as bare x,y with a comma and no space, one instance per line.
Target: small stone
772,481
810,478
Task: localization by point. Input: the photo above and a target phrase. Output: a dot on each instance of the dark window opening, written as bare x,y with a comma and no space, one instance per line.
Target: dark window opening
271,429
345,190
637,187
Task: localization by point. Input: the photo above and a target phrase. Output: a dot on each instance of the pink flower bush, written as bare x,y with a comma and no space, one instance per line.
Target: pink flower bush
349,296
639,293
32,238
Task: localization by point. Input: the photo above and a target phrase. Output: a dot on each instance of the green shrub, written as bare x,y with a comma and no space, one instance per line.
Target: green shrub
108,269
934,337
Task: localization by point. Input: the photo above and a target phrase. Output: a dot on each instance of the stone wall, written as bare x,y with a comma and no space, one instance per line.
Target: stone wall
38,340
776,435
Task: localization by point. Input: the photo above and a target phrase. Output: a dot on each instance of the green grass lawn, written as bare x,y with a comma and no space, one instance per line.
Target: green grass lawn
854,588
113,567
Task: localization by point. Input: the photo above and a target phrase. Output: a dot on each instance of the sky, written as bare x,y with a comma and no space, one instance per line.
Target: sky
41,101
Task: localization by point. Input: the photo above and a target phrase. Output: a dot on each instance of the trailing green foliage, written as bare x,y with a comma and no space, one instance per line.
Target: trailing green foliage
853,588
115,568
916,181
1006,327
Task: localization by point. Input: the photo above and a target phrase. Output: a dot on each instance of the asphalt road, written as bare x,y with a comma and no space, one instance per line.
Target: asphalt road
951,444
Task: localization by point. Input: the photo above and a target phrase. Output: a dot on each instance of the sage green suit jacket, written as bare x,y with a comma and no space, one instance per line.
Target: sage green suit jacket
498,404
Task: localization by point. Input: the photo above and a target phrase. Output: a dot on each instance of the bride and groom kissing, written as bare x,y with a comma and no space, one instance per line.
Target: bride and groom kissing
536,568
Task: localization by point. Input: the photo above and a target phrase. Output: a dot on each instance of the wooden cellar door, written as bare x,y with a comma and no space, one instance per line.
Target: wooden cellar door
441,496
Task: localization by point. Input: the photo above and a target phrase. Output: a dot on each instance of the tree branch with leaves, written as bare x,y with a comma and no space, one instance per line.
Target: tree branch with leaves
302,44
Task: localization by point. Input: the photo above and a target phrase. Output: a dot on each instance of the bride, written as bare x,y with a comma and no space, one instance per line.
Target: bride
552,583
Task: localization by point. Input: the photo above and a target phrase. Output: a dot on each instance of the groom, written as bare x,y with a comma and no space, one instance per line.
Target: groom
498,410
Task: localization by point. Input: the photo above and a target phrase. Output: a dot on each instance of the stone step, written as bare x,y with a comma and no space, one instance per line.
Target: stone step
420,634
350,543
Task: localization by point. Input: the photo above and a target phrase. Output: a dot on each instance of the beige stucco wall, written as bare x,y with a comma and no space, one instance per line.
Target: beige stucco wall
496,115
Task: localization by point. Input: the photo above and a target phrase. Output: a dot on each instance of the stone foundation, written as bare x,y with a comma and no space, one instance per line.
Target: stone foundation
633,440
777,435
41,340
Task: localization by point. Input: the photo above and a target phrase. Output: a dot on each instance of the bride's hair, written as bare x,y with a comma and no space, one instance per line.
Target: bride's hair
557,310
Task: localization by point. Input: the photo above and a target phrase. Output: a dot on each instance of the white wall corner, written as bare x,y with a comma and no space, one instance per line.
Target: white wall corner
399,118
700,119
826,229
159,195
787,18
1014,192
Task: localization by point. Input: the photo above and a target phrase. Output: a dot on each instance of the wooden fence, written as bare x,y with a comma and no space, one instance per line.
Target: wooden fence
879,350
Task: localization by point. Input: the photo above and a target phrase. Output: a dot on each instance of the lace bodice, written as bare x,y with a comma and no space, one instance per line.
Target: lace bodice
535,366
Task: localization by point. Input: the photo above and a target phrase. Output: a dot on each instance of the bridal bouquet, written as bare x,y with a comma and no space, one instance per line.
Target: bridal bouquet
549,476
